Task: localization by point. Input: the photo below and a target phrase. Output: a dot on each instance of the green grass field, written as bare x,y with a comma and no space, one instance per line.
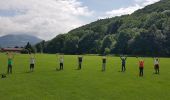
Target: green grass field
90,83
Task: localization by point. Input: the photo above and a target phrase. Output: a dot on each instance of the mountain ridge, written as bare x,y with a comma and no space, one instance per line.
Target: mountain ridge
20,40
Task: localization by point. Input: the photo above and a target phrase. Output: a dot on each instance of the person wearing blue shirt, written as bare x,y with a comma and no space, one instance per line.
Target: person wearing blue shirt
123,58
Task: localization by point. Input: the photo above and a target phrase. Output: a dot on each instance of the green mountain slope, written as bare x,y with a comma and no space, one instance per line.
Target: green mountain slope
145,32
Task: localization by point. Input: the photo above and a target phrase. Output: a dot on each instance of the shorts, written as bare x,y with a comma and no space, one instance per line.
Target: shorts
141,68
31,66
156,66
123,64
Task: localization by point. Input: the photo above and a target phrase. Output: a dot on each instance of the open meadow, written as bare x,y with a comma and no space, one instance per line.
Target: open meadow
90,83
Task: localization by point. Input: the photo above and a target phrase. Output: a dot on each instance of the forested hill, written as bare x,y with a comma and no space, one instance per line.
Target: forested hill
145,32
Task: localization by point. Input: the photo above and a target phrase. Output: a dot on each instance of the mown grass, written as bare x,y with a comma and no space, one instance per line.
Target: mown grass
90,83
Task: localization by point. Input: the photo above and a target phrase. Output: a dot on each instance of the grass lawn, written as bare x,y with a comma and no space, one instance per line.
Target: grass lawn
90,83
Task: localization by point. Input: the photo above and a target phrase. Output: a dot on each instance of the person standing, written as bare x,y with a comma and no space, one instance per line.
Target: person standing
32,62
80,60
141,67
123,58
61,60
10,62
104,63
156,65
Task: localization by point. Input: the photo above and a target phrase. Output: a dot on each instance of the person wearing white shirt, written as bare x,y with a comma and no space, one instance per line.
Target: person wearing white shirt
61,60
156,65
32,62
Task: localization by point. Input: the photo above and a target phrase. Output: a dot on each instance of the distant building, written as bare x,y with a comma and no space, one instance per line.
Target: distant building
11,49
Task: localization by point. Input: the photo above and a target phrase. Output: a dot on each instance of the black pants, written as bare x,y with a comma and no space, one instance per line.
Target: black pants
80,65
140,71
156,69
123,68
61,66
31,67
9,69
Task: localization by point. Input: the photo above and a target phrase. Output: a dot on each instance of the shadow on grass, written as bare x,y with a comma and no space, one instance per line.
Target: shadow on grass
77,69
121,71
58,70
29,72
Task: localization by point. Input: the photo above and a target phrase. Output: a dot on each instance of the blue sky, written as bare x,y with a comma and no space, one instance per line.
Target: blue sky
48,18
106,5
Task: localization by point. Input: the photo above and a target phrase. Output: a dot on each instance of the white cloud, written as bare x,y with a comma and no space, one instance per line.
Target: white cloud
121,11
42,18
146,2
128,10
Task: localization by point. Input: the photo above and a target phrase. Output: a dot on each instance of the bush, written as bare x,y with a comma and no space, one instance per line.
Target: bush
106,51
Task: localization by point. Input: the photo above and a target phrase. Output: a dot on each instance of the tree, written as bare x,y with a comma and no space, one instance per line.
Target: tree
114,26
30,48
40,46
166,31
108,42
71,44
56,45
87,43
123,38
106,51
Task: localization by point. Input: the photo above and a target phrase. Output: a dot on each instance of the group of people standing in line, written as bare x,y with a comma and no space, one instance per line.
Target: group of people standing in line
80,60
10,62
123,60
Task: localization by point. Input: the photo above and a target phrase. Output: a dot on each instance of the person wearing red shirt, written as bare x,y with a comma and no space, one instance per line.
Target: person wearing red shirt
141,67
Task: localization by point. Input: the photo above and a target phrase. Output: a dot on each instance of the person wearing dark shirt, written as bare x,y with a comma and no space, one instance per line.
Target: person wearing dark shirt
123,58
80,59
103,63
